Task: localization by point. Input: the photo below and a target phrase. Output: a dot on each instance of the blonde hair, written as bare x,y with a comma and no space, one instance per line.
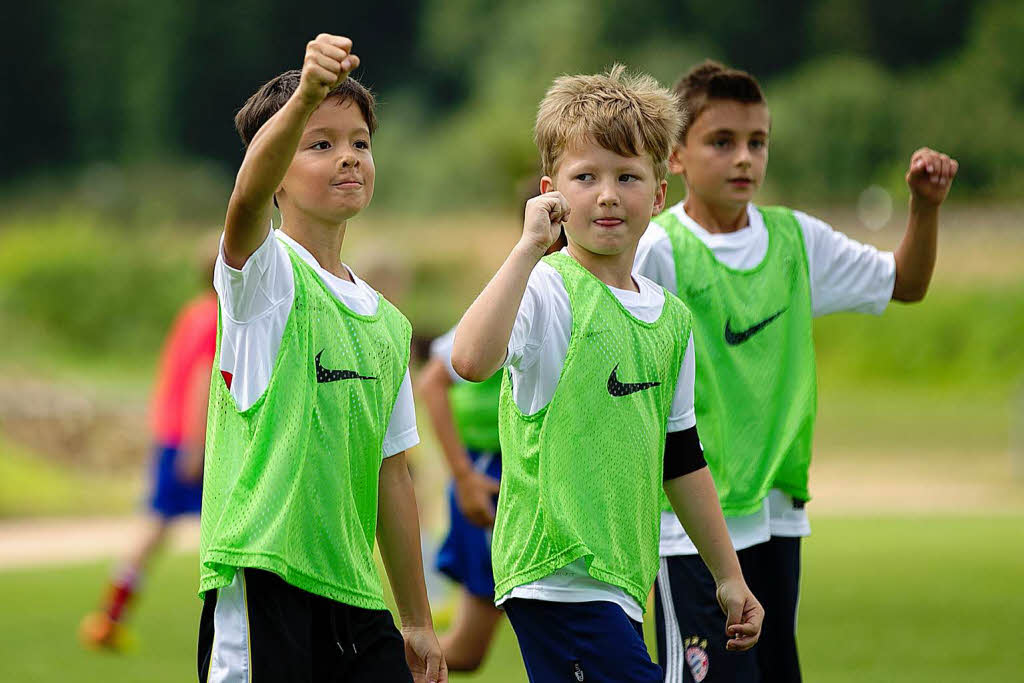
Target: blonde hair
629,114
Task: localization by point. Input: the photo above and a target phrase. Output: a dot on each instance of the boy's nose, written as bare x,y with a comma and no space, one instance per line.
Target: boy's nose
348,160
608,198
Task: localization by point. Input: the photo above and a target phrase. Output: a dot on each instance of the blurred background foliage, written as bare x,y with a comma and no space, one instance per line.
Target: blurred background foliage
118,140
854,85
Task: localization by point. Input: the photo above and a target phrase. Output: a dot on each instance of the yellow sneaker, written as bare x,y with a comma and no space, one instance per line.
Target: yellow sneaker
99,632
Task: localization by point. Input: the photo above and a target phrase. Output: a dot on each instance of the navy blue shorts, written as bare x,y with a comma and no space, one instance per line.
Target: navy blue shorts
170,496
592,642
691,625
465,555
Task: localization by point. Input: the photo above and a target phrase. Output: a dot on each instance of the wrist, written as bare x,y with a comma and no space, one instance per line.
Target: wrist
417,623
730,578
462,472
527,249
306,101
921,206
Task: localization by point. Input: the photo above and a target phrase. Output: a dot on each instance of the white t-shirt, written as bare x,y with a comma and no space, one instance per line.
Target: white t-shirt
845,275
536,353
255,303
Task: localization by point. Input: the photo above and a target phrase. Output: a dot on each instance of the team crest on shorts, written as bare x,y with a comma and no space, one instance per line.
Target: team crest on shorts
697,657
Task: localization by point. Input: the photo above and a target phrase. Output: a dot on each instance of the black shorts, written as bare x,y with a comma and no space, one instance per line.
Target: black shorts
261,629
691,625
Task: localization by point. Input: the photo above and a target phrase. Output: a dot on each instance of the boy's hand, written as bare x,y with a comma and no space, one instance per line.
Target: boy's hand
930,175
543,223
473,493
423,654
744,614
328,61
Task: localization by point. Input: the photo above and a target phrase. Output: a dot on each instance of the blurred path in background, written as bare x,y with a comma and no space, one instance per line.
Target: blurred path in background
55,542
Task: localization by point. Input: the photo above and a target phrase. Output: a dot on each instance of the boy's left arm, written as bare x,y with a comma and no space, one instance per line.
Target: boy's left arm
929,178
695,502
398,535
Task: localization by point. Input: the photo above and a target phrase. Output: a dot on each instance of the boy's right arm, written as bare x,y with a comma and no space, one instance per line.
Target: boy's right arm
481,339
695,502
328,62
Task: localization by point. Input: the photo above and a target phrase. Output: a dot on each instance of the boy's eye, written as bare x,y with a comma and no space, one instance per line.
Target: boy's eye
361,144
627,178
584,176
758,144
320,145
720,142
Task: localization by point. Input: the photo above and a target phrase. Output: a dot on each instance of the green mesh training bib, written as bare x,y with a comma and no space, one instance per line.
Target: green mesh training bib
581,477
475,409
290,484
756,388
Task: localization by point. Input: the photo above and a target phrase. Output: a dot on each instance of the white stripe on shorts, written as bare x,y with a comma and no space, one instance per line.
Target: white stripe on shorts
230,661
675,657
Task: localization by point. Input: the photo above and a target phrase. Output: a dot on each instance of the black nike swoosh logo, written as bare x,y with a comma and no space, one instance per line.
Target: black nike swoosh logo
324,375
733,338
617,388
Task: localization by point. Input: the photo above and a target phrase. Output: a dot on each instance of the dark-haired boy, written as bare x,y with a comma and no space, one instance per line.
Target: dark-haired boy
311,411
754,278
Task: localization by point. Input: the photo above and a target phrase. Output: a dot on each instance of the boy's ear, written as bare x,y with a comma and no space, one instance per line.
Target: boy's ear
659,197
675,160
546,184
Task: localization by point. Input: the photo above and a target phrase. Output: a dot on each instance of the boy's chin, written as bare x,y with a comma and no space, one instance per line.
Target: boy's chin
605,248
340,214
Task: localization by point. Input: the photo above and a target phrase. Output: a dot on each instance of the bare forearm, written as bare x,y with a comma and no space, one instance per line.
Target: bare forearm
481,339
695,502
915,256
398,534
266,161
434,386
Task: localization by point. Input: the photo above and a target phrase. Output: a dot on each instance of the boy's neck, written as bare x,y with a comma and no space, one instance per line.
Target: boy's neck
615,270
321,240
716,218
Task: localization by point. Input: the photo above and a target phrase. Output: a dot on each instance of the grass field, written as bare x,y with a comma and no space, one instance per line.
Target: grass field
915,571
896,599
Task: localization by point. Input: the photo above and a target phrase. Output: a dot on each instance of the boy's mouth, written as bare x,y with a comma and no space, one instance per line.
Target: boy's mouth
347,184
608,222
741,182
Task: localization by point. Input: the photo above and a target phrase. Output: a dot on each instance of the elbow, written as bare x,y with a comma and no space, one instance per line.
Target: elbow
910,293
914,297
467,367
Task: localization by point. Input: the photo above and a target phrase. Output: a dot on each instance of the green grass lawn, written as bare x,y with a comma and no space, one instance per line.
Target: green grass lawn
33,486
884,599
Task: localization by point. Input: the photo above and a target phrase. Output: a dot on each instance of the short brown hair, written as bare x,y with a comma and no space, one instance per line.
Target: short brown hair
266,102
629,114
709,81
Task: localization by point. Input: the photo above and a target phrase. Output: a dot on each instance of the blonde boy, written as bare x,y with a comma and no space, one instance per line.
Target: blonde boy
311,410
599,366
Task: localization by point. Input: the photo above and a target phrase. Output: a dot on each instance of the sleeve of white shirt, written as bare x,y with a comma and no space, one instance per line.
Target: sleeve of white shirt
441,349
531,326
845,274
654,258
265,281
401,434
682,415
